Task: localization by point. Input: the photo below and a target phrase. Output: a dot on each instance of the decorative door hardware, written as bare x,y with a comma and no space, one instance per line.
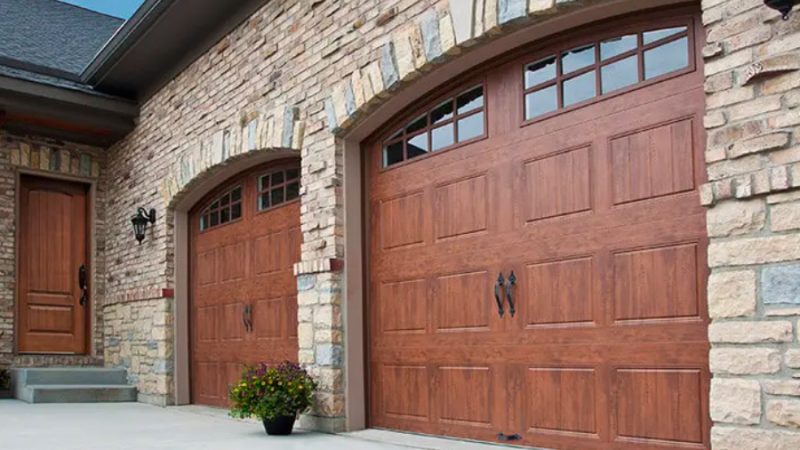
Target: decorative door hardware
508,437
247,318
512,280
497,286
83,284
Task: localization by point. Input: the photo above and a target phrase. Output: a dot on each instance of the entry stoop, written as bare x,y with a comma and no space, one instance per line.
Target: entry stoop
72,385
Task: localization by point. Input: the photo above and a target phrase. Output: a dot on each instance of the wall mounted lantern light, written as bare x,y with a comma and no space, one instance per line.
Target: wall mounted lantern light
140,221
784,6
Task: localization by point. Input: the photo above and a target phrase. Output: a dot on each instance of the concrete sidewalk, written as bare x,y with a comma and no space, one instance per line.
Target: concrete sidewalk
129,426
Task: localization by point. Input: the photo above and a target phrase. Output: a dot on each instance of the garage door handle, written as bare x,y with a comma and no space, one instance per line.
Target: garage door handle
512,281
497,287
247,318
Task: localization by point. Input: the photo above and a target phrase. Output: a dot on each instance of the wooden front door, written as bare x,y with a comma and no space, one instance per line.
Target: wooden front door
245,239
53,229
538,250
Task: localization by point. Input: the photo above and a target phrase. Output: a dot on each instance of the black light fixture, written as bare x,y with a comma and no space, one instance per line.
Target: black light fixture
784,6
140,221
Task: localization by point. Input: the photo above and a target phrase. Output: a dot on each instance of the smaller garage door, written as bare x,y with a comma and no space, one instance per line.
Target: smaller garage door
245,238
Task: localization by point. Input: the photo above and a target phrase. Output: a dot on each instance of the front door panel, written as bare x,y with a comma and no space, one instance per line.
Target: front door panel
52,249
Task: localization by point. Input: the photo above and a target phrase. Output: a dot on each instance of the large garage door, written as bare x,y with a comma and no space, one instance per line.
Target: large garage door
538,250
245,240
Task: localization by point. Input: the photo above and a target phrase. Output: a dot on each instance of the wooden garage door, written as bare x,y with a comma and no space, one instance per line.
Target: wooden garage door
573,171
245,238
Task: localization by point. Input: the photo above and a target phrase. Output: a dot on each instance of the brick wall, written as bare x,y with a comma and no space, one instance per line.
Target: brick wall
753,156
46,157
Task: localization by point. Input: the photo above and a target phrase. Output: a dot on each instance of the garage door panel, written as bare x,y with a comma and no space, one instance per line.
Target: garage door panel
653,162
462,207
661,404
558,184
405,392
404,306
464,302
206,268
465,395
231,326
401,220
268,318
657,283
233,262
561,400
559,292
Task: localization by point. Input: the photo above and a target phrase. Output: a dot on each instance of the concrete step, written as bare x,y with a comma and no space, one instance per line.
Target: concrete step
77,393
71,375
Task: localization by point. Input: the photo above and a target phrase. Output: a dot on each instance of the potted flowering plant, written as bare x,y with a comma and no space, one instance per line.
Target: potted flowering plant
275,395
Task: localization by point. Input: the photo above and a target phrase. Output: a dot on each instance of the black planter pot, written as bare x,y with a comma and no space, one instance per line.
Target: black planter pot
279,426
5,395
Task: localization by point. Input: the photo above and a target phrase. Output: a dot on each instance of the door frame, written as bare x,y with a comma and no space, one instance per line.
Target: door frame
91,250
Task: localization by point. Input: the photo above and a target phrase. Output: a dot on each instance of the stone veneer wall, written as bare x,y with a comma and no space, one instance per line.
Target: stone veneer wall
45,157
753,194
271,84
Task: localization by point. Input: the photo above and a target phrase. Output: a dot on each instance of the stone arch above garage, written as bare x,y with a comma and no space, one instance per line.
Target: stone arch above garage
275,131
437,36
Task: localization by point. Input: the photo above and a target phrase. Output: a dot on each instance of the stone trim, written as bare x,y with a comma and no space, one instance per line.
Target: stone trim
61,161
279,128
318,266
139,295
439,34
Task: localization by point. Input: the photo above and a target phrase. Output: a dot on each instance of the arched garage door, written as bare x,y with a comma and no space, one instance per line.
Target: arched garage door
245,238
538,249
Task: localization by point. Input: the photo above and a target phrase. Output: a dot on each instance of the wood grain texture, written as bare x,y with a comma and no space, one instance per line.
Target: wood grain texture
53,244
244,263
596,212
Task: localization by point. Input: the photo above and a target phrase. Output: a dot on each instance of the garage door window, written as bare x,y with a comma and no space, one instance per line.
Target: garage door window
225,208
278,187
581,74
456,120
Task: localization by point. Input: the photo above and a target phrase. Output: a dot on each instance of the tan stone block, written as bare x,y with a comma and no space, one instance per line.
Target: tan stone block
733,26
781,83
740,438
731,218
729,62
706,194
541,6
305,335
785,216
447,34
759,144
782,312
714,120
749,38
729,97
24,154
404,55
735,401
786,119
784,412
744,361
752,108
781,387
792,358
15,156
750,332
760,250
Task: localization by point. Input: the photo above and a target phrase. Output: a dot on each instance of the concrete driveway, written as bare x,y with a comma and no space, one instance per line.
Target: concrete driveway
117,426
